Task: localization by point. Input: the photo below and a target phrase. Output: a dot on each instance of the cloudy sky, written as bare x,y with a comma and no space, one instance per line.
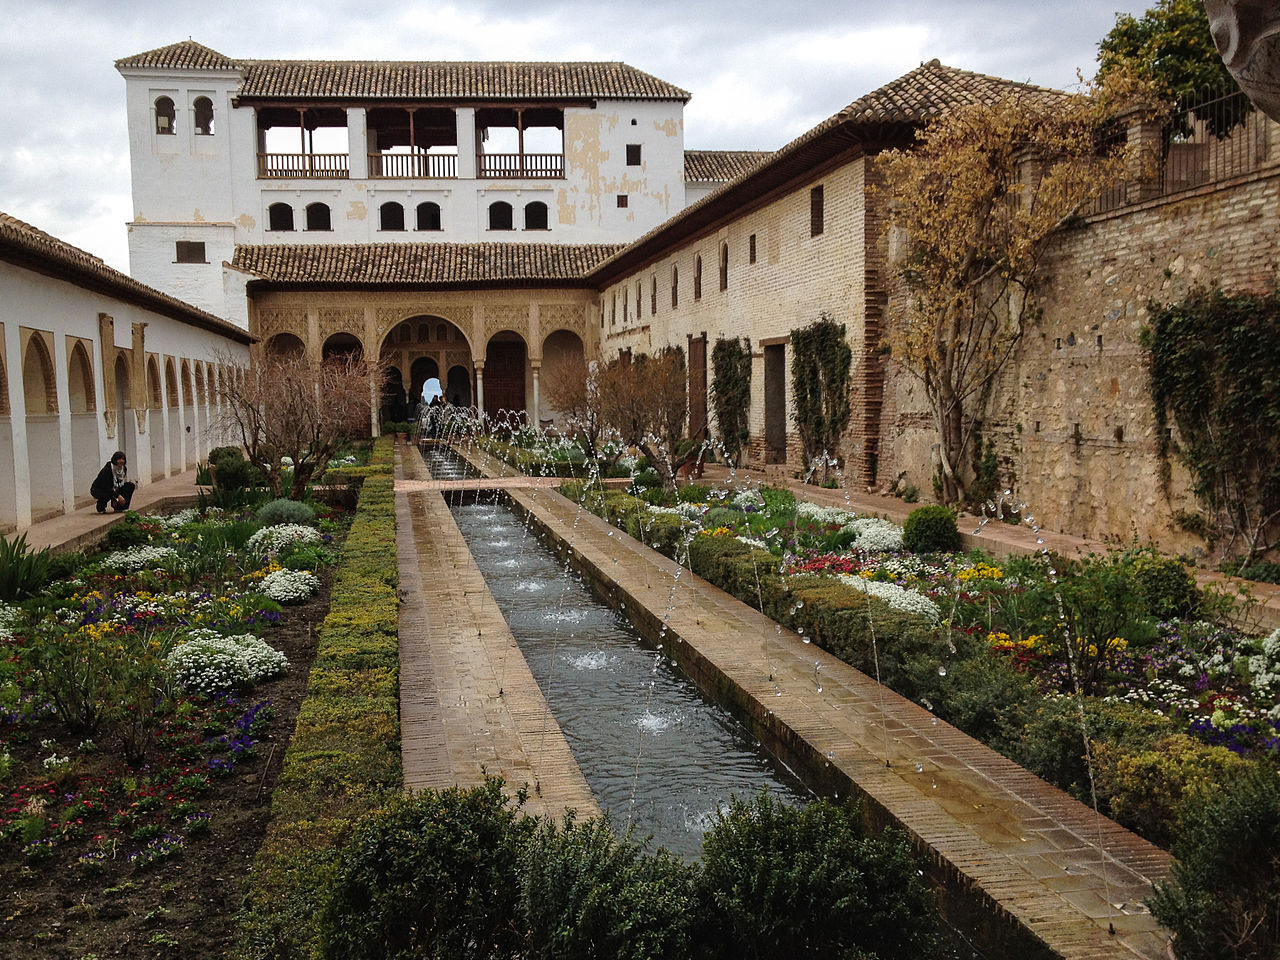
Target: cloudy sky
760,73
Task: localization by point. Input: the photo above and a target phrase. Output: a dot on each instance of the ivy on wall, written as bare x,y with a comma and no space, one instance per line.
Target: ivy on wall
1214,360
731,393
820,364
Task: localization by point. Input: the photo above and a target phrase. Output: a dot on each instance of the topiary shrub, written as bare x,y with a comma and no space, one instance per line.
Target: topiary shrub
587,894
1223,899
798,882
694,493
931,529
430,876
285,511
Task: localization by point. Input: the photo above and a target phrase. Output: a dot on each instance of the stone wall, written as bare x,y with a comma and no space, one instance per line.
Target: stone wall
1071,418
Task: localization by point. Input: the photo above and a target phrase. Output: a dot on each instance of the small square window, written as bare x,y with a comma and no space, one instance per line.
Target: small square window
190,251
633,154
622,200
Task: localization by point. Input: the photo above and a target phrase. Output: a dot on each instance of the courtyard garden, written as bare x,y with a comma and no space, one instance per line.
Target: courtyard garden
148,692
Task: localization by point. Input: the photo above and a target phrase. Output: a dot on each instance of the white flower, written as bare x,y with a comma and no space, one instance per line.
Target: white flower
289,586
175,520
10,620
757,544
138,558
900,598
274,539
208,662
822,515
875,535
748,498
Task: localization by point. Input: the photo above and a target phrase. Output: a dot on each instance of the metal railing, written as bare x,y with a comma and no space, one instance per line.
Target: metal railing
313,165
1208,137
419,166
517,166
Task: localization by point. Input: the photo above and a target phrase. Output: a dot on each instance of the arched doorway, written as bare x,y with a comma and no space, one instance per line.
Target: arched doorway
393,406
504,374
126,428
82,401
285,345
342,345
44,442
458,389
563,354
423,369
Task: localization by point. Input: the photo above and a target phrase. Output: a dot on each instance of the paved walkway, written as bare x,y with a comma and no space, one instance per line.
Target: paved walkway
468,702
84,527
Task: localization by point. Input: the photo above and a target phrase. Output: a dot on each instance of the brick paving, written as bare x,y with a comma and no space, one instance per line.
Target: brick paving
469,705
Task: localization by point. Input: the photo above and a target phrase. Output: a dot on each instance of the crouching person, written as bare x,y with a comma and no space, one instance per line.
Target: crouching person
112,485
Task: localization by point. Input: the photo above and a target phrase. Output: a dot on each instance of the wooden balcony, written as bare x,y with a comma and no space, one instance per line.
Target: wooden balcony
413,166
520,166
324,166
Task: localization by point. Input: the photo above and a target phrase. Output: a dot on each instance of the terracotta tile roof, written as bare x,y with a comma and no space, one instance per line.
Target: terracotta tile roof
26,246
415,80
445,80
885,116
721,164
187,55
371,264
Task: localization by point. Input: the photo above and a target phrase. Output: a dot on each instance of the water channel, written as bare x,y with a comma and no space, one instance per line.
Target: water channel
658,757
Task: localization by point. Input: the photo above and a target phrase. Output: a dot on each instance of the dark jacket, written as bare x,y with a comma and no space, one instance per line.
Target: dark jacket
104,484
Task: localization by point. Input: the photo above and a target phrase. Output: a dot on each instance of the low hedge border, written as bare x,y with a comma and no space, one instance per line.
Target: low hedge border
344,759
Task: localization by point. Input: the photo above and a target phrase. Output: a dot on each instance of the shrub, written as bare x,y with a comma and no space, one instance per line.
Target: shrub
129,532
210,663
724,517
289,586
431,875
585,893
655,496
694,493
22,571
778,500
931,529
645,479
780,881
1164,584
1223,899
1264,572
286,511
281,537
1145,788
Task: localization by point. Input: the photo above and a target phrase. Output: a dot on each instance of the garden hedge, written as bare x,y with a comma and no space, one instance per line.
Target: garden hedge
344,759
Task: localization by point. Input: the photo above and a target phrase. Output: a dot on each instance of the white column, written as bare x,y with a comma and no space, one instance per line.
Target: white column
480,386
357,143
535,421
466,120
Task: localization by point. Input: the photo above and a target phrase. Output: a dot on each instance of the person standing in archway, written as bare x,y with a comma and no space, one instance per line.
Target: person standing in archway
112,485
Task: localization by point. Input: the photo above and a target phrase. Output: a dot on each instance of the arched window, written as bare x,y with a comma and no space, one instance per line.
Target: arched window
697,277
675,287
442,332
429,216
424,333
500,216
535,215
165,115
280,217
80,381
203,109
724,266
39,390
391,216
318,217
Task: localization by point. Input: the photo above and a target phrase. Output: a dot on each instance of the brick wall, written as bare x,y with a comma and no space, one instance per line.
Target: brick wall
1071,417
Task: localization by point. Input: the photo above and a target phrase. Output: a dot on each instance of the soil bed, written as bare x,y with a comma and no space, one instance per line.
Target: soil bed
183,906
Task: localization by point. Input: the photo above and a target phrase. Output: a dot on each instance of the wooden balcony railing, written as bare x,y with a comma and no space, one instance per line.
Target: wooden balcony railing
520,166
413,166
314,165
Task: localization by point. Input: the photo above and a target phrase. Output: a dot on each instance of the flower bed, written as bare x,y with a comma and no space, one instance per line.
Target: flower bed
142,700
1172,693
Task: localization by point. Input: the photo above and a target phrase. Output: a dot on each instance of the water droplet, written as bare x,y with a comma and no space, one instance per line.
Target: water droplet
934,721
942,671
804,638
831,754
919,767
935,783
799,604
1039,539
819,688
926,704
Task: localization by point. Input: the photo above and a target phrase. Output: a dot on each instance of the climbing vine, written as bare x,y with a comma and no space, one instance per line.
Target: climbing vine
1214,360
731,393
820,363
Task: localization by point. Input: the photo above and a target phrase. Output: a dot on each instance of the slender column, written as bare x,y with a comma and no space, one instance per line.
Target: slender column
536,420
480,386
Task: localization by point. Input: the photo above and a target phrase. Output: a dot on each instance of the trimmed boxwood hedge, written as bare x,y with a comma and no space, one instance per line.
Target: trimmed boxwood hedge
344,759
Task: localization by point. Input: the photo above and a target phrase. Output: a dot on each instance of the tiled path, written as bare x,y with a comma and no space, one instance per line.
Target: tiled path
468,703
1007,841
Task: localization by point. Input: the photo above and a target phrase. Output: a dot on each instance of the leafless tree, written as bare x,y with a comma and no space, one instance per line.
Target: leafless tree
646,400
288,406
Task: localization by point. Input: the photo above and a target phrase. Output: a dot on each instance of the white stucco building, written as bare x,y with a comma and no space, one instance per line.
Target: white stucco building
92,361
229,152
